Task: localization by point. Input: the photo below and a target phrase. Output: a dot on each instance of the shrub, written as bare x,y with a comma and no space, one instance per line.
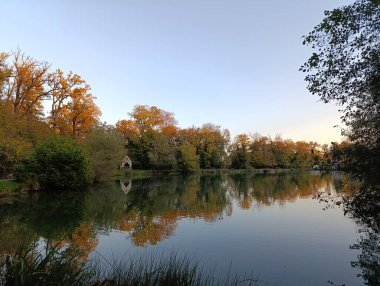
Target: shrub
105,148
57,164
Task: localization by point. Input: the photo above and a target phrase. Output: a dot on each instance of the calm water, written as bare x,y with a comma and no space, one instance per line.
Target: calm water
268,224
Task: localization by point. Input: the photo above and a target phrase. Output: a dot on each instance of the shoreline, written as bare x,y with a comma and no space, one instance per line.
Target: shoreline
9,187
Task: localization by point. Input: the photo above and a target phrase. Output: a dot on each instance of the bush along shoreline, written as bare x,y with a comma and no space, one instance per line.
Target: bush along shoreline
56,163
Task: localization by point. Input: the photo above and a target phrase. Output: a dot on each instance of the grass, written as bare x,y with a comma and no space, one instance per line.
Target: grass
8,186
48,267
54,266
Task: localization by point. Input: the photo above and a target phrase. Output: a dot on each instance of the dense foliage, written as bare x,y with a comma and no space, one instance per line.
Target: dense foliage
345,67
57,164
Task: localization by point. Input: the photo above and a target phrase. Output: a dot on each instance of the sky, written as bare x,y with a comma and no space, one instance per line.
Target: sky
232,63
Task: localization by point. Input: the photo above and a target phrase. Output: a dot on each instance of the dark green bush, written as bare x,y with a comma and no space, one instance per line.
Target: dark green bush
56,163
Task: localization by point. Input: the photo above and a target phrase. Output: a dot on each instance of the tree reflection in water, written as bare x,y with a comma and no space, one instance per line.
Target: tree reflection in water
148,210
155,205
364,207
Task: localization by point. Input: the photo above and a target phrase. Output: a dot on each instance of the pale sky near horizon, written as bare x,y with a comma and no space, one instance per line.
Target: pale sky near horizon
233,63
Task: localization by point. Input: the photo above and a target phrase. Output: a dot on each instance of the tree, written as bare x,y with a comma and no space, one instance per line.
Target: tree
105,149
128,128
345,67
303,155
24,83
162,155
18,137
138,150
211,146
261,153
239,152
80,114
283,152
152,118
63,90
187,158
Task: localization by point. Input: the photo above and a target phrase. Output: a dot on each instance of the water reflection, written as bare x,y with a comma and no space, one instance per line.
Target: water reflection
148,211
149,208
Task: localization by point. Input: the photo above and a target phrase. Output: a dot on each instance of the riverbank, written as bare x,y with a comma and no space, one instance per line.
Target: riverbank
9,188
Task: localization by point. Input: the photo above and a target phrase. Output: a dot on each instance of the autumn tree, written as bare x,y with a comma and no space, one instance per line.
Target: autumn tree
261,152
152,118
151,137
303,155
128,128
64,89
240,152
211,146
80,114
18,137
5,73
24,83
283,152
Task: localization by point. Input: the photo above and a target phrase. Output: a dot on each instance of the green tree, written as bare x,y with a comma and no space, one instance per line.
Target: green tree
105,149
57,163
187,157
138,150
162,155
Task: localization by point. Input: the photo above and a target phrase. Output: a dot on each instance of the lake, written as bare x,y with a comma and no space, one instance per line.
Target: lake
270,225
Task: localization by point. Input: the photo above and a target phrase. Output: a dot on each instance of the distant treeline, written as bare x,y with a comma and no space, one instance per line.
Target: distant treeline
155,142
37,103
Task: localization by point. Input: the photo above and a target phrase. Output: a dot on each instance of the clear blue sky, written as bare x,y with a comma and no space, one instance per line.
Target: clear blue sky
234,63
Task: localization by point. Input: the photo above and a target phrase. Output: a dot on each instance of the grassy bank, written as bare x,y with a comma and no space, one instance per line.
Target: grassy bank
54,266
8,187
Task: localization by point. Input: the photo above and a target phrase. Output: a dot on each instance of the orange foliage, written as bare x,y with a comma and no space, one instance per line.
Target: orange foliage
81,113
128,128
152,118
25,83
